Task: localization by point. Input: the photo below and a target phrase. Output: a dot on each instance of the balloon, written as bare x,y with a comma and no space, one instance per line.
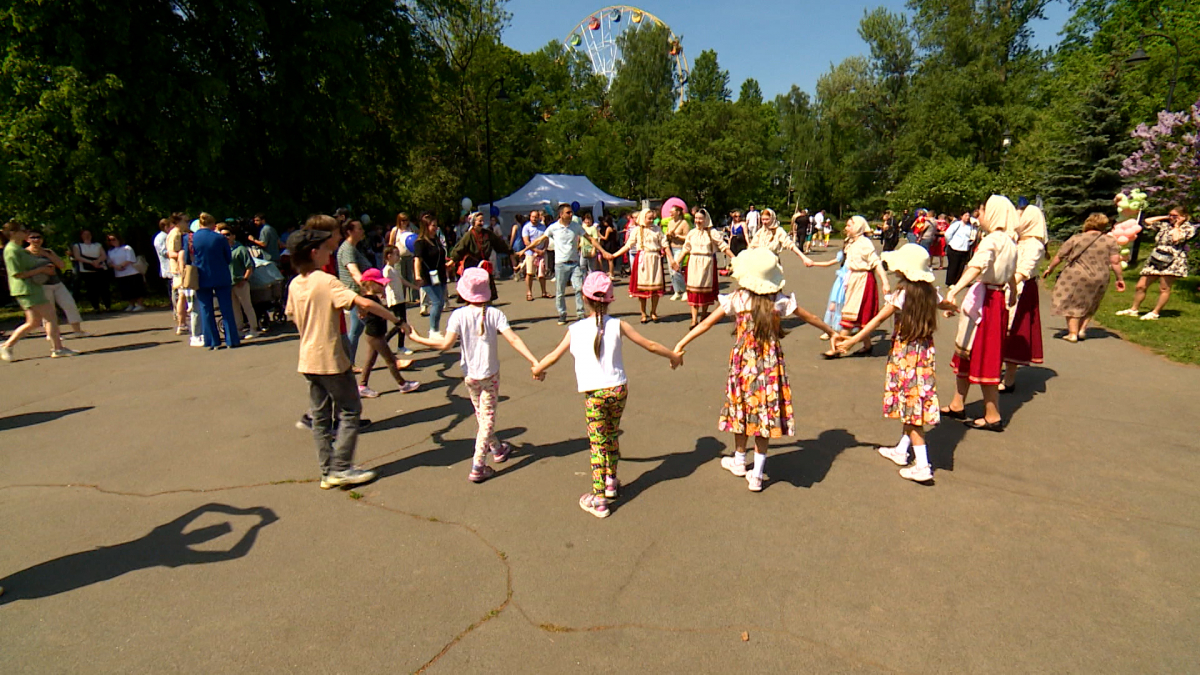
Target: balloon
665,211
409,240
494,210
467,204
688,217
656,221
1122,240
364,219
1124,251
1124,265
575,207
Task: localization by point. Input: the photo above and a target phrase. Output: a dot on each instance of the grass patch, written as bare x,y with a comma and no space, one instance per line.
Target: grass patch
1176,335
355,495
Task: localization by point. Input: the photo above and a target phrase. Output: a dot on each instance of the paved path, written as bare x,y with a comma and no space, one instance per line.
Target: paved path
160,514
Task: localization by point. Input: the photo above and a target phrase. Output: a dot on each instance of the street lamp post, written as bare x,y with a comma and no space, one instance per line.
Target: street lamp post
1140,56
487,120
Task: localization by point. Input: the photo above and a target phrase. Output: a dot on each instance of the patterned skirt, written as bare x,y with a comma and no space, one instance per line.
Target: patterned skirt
758,399
1023,346
910,387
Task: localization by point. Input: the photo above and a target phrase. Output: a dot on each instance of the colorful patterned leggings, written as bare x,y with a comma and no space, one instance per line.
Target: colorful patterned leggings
484,394
603,409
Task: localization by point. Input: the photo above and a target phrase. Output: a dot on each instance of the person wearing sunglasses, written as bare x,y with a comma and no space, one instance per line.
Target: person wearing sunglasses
26,275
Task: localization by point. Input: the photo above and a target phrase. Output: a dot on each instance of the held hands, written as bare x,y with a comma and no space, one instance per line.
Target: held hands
539,374
676,358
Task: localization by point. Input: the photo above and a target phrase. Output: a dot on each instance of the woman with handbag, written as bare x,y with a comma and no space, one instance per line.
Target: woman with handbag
25,276
130,282
56,291
91,268
1083,282
1168,260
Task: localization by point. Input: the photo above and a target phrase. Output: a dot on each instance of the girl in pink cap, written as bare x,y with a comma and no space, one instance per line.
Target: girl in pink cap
477,325
595,342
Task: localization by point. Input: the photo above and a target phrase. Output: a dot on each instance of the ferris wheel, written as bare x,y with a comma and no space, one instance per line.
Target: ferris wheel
598,33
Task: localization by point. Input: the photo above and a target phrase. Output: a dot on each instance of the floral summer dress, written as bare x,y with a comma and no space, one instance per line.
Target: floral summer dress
758,399
910,386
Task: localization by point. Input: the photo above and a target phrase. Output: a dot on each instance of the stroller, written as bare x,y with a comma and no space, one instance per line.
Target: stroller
266,293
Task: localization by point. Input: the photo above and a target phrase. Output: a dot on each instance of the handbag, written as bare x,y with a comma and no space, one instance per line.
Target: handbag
191,274
1159,260
141,265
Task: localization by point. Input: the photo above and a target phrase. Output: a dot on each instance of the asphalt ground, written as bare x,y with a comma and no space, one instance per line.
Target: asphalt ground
160,513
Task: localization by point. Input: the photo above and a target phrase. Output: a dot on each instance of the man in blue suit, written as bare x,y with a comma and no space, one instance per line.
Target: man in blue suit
212,256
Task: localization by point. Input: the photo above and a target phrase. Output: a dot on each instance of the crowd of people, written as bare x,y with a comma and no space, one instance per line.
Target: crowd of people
347,284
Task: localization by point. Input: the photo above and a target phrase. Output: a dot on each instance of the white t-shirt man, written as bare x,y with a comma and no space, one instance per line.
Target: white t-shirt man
751,223
819,222
164,262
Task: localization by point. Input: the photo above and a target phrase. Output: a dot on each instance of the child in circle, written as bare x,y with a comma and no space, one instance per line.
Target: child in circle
394,293
595,343
376,333
910,387
478,325
758,399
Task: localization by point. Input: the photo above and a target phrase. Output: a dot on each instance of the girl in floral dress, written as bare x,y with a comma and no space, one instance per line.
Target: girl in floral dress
910,387
758,399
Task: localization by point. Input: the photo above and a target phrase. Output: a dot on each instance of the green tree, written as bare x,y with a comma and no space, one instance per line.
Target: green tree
707,82
751,93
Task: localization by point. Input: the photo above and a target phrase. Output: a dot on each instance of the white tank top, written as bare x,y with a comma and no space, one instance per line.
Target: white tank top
592,373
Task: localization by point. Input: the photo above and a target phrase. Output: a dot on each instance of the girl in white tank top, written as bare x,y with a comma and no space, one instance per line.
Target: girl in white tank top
595,343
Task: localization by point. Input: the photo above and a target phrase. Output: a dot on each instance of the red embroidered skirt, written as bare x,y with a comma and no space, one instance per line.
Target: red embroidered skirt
1024,343
707,296
870,304
639,285
985,364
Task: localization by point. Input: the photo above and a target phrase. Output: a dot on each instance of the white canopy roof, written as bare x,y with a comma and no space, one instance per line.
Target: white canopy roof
553,189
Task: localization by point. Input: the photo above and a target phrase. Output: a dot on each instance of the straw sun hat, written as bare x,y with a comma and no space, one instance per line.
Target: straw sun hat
758,271
910,261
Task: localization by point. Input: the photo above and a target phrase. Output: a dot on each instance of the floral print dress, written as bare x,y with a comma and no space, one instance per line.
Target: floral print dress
910,386
758,399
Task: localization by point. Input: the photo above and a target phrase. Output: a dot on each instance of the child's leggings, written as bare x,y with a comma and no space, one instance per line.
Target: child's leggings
603,409
484,394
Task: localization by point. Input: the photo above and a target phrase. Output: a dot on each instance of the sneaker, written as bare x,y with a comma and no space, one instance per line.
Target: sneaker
562,320
196,342
594,504
894,454
480,473
406,351
755,483
409,386
138,308
435,335
918,473
612,487
733,466
5,353
248,336
367,392
1127,312
304,423
351,476
1151,316
424,311
128,309
501,452
62,353
180,330
675,297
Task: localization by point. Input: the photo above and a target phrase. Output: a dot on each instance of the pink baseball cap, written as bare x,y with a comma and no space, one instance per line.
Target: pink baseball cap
597,286
473,285
373,275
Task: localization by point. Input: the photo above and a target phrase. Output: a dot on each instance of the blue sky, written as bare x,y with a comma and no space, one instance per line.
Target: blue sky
776,42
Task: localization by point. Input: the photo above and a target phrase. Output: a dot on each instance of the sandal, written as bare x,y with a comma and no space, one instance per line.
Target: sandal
1007,388
547,295
954,414
1070,338
644,319
1152,316
986,426
654,318
529,297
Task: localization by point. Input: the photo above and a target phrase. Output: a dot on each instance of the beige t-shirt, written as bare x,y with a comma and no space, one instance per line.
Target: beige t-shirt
995,258
1030,252
175,245
314,304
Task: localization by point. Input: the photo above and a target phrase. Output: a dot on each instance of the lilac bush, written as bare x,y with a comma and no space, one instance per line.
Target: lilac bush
1167,163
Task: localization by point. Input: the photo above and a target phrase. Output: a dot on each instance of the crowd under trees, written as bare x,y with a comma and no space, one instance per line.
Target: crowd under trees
113,114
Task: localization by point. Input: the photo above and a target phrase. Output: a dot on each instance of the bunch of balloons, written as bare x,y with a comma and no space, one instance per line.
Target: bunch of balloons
1129,207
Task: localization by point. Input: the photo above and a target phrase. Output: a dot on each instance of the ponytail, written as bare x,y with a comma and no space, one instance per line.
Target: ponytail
600,309
482,319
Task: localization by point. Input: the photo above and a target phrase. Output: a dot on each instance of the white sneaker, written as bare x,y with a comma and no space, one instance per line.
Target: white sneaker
894,454
63,353
196,342
1127,312
138,308
917,472
351,476
1152,316
435,335
5,353
755,483
675,297
248,336
733,466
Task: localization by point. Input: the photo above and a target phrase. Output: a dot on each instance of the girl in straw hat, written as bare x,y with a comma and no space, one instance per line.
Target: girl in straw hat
758,399
646,281
1023,346
983,322
864,280
700,246
478,325
910,386
595,342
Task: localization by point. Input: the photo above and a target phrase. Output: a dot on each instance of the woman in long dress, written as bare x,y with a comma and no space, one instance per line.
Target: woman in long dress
864,281
1089,255
646,280
1023,346
983,322
700,247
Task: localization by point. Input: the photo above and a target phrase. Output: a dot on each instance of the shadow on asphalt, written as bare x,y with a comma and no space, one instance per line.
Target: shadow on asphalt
670,467
133,346
810,462
165,546
30,419
130,332
943,440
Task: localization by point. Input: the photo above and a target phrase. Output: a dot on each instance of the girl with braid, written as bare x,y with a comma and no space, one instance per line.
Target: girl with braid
595,342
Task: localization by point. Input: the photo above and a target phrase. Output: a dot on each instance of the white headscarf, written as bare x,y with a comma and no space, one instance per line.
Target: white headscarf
1032,224
999,214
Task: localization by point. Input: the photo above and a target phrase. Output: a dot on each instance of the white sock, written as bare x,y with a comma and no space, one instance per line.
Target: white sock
902,446
760,460
922,455
739,458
